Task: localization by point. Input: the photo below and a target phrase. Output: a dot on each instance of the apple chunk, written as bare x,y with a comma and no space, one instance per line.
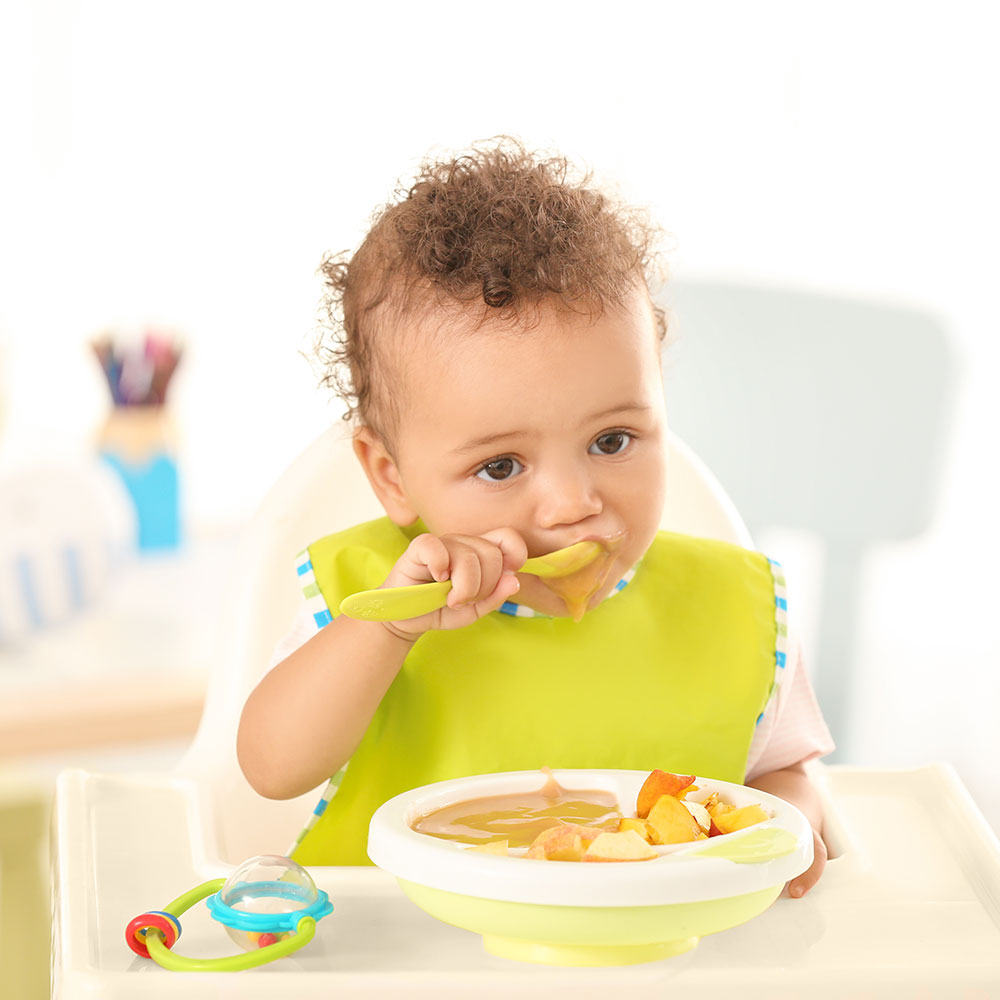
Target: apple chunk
659,783
564,842
672,822
700,813
625,846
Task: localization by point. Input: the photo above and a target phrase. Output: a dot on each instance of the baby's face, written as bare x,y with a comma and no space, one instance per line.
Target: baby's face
558,432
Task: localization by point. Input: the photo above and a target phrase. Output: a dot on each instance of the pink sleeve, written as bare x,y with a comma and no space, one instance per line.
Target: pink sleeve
792,728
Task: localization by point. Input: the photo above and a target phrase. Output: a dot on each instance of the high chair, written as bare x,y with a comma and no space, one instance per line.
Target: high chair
911,904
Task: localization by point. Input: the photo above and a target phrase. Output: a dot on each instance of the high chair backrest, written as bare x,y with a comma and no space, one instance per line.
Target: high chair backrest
325,490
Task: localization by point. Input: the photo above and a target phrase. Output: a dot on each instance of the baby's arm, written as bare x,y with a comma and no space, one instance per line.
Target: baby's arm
306,717
793,785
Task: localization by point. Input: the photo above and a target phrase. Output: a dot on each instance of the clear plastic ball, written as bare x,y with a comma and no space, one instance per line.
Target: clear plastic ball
267,884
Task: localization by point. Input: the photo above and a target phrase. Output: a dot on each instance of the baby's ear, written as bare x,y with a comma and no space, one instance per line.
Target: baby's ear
383,474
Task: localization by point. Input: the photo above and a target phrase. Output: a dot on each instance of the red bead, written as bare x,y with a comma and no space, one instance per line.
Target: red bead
142,924
265,939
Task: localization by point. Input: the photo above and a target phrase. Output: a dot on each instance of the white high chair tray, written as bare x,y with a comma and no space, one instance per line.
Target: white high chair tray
911,908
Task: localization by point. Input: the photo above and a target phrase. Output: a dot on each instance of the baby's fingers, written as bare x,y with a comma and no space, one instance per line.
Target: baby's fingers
478,562
467,572
426,558
481,570
801,884
512,546
507,586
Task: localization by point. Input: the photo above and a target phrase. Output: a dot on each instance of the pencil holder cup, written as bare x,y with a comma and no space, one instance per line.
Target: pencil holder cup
140,444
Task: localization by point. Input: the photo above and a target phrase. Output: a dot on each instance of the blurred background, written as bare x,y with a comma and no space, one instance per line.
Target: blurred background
172,175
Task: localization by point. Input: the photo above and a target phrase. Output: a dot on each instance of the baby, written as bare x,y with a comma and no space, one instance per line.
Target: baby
497,344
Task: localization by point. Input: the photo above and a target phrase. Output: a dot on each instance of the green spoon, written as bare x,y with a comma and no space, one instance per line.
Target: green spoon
398,603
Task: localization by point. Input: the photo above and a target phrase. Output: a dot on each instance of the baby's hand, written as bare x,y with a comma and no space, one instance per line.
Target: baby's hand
801,884
481,569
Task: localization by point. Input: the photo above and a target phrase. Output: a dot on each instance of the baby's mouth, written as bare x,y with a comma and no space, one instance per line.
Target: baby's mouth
578,589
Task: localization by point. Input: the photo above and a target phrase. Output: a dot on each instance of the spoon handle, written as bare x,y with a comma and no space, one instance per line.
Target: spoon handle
398,603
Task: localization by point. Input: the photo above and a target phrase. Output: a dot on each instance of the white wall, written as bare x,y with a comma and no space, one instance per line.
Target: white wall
190,162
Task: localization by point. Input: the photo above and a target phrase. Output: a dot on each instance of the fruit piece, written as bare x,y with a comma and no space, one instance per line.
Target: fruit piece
699,812
738,819
656,784
640,826
563,842
493,847
627,846
571,850
672,821
685,791
711,801
586,833
714,831
719,808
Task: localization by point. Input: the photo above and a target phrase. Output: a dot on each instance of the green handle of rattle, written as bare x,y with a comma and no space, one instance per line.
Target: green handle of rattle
164,956
195,895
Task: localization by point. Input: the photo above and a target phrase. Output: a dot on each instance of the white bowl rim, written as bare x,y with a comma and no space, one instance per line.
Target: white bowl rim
678,876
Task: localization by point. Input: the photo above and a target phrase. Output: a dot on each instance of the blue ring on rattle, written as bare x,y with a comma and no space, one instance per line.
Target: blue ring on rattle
242,920
172,919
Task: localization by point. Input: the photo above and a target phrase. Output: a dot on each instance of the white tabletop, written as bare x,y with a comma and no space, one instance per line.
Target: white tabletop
911,908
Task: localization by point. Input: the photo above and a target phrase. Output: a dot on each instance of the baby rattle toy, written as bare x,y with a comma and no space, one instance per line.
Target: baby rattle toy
269,907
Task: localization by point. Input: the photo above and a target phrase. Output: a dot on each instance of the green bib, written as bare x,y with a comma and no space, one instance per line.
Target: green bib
672,672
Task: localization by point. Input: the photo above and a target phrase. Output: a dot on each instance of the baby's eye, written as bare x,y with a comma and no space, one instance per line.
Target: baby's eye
499,469
611,443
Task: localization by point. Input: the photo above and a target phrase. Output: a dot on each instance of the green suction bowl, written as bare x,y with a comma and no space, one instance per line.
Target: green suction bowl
588,935
572,913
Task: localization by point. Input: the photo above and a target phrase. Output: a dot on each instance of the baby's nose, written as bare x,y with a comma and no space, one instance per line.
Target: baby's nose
567,497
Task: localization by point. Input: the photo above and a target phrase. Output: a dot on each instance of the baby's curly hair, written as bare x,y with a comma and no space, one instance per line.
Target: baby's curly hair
497,227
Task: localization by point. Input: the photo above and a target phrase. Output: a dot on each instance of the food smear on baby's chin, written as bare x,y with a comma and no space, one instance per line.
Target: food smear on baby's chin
520,817
578,589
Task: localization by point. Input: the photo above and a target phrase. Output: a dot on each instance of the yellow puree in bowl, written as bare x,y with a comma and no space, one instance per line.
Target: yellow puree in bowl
519,817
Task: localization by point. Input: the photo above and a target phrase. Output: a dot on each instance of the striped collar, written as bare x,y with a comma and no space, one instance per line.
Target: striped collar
523,611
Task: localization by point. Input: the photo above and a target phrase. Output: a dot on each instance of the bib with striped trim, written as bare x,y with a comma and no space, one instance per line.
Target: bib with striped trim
673,672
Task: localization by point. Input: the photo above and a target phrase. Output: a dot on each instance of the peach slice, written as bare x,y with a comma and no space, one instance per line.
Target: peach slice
672,822
659,783
710,801
571,849
640,826
716,807
738,819
564,842
626,846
